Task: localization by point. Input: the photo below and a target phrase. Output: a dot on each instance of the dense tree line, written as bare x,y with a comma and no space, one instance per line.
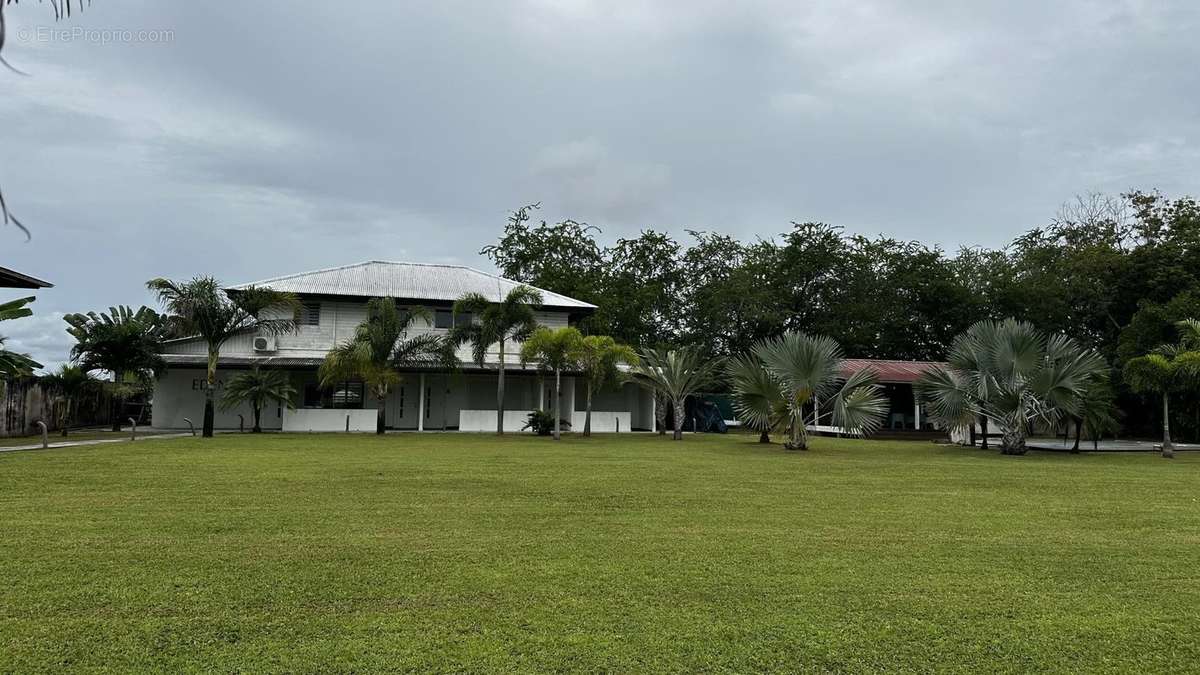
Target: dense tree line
1116,273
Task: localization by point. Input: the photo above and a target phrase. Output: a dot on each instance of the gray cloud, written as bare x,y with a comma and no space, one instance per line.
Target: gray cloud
264,139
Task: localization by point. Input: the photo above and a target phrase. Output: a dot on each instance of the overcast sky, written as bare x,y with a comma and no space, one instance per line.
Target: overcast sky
275,136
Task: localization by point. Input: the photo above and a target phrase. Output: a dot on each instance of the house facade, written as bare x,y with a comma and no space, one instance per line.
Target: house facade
431,399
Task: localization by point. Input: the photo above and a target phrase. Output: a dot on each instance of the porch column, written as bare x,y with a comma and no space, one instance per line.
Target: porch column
917,411
653,412
541,394
421,406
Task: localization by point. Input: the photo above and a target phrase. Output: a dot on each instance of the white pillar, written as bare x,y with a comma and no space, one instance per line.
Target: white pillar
541,385
421,406
917,411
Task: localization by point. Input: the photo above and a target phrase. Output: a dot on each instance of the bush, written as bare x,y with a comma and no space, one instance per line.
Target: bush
542,423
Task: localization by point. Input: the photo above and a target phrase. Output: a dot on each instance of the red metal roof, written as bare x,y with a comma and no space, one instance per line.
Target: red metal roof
904,372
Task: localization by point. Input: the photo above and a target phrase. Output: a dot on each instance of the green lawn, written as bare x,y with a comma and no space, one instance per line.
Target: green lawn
463,552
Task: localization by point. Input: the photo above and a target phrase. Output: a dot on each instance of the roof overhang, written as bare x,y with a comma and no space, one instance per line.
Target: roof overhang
13,279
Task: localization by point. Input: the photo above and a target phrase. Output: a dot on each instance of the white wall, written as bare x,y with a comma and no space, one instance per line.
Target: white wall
312,419
338,320
179,393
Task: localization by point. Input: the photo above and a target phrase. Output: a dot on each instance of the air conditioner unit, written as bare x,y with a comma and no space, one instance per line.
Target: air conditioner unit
264,343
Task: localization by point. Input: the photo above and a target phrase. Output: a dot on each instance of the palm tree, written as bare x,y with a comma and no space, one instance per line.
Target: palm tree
122,342
1167,369
678,374
1010,373
11,363
258,388
757,400
808,371
381,348
599,357
1097,413
510,320
71,382
554,350
202,308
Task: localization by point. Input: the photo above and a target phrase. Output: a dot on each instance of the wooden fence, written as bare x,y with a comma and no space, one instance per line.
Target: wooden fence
27,401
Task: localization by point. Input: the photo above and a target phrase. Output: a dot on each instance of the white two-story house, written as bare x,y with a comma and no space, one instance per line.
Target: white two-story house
333,304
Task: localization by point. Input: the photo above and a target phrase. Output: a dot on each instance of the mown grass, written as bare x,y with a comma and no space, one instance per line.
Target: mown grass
472,553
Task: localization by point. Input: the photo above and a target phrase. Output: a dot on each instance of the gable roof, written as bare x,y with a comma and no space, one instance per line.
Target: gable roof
893,372
409,281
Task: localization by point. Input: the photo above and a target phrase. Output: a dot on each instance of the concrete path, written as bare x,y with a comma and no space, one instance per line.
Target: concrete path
96,441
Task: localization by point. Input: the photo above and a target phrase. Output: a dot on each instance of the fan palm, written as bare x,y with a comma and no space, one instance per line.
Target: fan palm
11,363
554,350
202,308
258,388
600,358
381,348
496,323
808,371
678,374
757,400
1012,374
123,342
1165,370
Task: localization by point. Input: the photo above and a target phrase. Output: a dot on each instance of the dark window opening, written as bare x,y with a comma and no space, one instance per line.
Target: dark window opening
309,314
348,395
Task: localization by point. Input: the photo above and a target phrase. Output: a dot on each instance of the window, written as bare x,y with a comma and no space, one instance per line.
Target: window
309,314
444,318
348,394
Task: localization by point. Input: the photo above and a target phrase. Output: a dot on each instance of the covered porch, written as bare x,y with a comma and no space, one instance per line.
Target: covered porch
423,401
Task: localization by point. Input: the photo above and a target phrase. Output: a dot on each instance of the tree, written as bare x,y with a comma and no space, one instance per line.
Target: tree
258,388
123,342
678,374
71,382
1010,373
381,348
510,320
554,350
1167,369
1097,413
13,364
757,399
808,371
600,358
203,309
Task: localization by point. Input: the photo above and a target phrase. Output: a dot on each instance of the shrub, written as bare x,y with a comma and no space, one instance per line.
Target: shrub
541,422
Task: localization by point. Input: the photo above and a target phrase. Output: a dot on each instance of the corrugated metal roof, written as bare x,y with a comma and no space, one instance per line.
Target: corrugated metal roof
891,371
412,281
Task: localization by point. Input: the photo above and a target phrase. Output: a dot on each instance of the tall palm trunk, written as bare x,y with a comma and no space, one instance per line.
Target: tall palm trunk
114,406
558,402
660,412
381,412
1168,449
257,419
587,418
500,394
764,436
210,394
678,436
1078,435
983,425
